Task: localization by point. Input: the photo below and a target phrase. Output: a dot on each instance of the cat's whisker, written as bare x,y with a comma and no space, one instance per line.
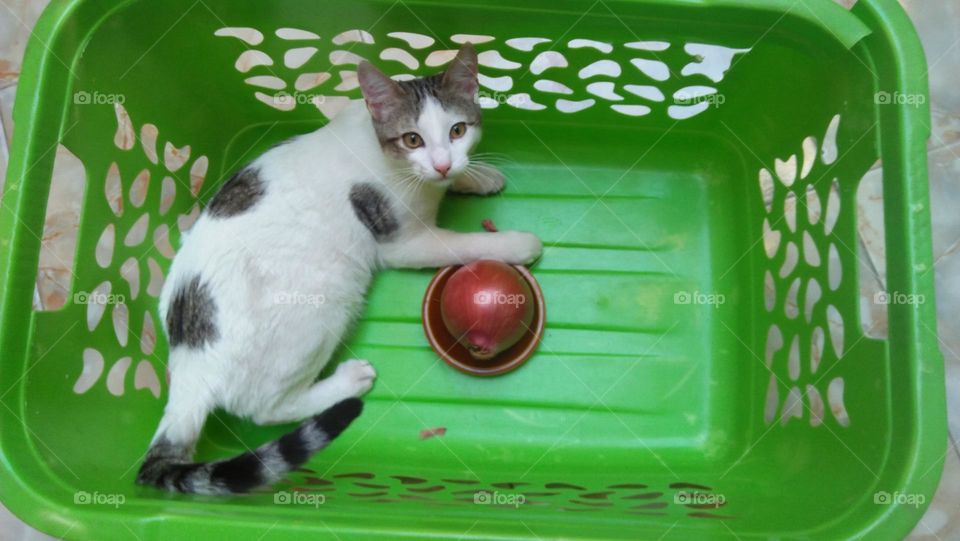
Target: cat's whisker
483,164
498,165
485,157
492,154
491,158
493,162
412,183
481,173
408,184
480,169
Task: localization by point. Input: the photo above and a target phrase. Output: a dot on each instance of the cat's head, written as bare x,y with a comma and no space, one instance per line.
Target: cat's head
433,122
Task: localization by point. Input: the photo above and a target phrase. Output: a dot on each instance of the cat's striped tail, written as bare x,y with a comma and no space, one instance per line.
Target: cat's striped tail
170,467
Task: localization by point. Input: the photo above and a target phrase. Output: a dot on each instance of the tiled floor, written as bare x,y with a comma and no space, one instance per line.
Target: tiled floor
938,22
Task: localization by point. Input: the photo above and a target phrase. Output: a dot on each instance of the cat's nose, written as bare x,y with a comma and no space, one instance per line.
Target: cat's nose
442,168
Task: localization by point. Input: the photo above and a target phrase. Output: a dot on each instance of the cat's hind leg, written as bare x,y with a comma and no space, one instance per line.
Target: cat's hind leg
189,404
351,378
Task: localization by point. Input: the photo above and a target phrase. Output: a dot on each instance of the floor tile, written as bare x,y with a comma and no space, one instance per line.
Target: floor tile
55,272
873,313
870,222
937,24
7,95
11,529
944,165
17,18
4,155
942,519
945,129
948,306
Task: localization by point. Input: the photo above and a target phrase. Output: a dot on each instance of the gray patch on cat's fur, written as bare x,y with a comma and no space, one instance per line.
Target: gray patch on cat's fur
240,193
190,315
373,211
403,116
314,437
165,456
272,461
163,450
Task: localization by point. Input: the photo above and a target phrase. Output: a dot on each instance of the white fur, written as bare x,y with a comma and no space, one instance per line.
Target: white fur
303,244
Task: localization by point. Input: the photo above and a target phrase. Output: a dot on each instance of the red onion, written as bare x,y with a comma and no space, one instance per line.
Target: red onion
487,305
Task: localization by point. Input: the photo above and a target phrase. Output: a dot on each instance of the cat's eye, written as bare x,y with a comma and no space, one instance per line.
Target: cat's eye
457,131
412,140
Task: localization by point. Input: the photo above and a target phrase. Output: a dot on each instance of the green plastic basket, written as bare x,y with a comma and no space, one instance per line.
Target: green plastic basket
692,166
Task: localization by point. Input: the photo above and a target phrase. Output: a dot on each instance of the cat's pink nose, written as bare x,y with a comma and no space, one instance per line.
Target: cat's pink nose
442,168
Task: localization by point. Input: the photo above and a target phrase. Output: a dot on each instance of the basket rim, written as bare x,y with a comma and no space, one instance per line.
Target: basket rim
39,502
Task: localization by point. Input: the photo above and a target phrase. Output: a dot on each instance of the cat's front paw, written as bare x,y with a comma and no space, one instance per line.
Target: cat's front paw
485,181
357,376
519,247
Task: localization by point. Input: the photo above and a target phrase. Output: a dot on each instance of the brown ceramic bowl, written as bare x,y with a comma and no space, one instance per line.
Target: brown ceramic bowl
457,356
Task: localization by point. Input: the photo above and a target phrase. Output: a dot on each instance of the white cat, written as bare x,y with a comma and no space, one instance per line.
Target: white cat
276,268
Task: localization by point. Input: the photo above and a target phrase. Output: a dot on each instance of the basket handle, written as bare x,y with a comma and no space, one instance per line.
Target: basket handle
38,123
915,372
905,129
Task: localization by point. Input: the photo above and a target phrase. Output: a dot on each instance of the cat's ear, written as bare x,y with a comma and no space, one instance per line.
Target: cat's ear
461,76
379,91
